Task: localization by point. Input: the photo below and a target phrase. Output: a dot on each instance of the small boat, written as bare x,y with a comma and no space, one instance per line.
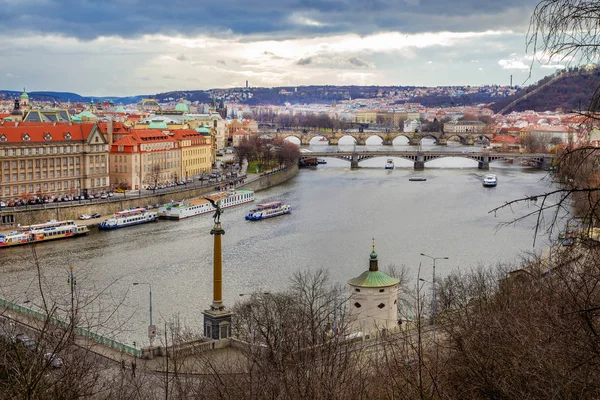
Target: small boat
321,161
389,164
268,210
490,180
130,217
50,230
323,139
417,179
190,208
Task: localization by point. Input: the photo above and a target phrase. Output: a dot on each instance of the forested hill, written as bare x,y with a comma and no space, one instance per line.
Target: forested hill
567,90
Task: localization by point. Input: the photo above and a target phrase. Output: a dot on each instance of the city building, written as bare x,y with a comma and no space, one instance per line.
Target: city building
196,152
149,105
145,157
49,160
464,126
373,300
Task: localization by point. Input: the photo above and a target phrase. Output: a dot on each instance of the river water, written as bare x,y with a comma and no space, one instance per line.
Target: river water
336,213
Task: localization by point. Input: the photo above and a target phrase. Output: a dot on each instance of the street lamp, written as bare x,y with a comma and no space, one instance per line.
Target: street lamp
151,327
434,292
252,319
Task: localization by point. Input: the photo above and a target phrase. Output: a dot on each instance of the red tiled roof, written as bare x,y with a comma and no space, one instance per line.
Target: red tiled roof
118,127
505,139
240,132
141,136
37,132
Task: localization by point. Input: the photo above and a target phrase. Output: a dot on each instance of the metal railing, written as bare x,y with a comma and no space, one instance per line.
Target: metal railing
96,337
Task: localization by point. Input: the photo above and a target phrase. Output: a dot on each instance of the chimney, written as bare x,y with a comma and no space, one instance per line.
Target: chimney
109,131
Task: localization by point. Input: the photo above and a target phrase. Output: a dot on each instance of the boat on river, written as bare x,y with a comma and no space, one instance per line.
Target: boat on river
51,230
193,207
268,210
134,216
389,164
417,179
321,161
490,180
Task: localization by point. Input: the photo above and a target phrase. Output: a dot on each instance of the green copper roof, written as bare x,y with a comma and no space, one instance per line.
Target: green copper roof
202,129
157,125
24,95
86,114
120,109
373,279
182,107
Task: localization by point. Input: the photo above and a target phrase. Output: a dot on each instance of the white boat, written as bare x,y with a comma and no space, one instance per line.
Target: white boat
490,180
50,230
190,208
268,210
130,217
389,164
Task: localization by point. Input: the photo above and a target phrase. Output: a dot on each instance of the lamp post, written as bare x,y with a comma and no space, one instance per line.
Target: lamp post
252,319
434,291
151,327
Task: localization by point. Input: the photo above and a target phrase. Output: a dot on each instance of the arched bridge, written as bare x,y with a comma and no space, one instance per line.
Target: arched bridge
419,158
414,138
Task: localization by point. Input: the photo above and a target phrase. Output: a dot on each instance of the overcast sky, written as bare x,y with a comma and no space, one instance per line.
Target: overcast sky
128,47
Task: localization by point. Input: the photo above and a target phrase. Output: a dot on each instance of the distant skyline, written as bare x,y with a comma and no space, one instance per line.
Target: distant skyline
110,48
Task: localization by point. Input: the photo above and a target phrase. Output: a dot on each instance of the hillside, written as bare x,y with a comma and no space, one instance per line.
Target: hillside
68,96
567,90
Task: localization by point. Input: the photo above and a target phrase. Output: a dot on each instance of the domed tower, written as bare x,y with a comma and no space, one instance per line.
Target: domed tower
182,106
25,106
16,115
222,110
373,300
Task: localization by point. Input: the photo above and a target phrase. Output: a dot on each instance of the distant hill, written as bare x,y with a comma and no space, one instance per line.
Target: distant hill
569,90
68,96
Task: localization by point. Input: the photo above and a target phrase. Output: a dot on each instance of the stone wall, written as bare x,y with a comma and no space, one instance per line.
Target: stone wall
120,202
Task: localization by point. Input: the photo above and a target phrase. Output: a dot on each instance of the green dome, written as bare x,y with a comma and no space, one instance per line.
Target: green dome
373,255
202,129
373,279
181,106
24,95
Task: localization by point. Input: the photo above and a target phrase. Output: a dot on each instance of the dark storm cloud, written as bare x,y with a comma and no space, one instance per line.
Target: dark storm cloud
304,61
88,19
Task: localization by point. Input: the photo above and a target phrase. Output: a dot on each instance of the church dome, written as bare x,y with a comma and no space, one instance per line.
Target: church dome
202,129
24,95
181,106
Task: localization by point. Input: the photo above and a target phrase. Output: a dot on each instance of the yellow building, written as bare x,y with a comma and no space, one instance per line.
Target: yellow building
196,152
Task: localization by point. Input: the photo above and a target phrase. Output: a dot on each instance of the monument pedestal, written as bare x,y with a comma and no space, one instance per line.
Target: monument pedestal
217,323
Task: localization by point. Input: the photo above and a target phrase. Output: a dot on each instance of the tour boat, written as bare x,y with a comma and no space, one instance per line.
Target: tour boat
389,164
268,210
50,230
321,161
190,208
130,217
490,180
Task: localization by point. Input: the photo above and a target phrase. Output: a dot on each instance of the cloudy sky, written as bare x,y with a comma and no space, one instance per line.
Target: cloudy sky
128,47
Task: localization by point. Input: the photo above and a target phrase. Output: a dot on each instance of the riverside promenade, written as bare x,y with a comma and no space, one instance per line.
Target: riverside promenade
106,207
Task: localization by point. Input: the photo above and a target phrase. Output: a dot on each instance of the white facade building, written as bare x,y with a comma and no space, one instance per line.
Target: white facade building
373,303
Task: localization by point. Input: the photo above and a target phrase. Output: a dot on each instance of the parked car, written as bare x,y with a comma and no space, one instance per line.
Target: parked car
104,196
85,216
53,361
95,215
2,204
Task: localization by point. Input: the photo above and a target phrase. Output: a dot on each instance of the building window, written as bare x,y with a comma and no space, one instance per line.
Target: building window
381,305
357,289
208,331
357,305
381,290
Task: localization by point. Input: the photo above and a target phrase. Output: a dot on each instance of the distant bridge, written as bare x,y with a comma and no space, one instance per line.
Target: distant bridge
414,138
419,158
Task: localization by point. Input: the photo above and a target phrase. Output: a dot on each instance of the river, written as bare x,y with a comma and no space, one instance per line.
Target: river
336,213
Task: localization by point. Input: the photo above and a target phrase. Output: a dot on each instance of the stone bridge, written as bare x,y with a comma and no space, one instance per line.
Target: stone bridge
419,158
414,138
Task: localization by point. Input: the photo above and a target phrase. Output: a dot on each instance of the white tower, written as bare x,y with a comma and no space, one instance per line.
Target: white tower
373,300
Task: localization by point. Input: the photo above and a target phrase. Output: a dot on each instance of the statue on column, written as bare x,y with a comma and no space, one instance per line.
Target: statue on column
218,211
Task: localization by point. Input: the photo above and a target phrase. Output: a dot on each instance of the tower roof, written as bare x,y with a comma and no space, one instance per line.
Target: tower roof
373,278
24,95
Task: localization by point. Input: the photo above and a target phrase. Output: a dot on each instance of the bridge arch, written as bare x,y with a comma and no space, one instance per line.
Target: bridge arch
347,140
317,140
453,137
401,140
293,139
374,140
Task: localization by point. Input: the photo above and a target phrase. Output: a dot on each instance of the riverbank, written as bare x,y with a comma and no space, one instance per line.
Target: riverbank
24,217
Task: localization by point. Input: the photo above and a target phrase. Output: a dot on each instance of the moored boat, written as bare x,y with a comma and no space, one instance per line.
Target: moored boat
130,217
268,210
490,180
417,179
193,207
321,161
50,230
389,164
